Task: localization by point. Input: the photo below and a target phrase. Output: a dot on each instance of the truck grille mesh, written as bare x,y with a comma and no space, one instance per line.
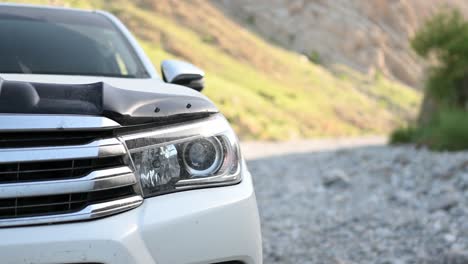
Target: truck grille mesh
53,170
40,139
57,204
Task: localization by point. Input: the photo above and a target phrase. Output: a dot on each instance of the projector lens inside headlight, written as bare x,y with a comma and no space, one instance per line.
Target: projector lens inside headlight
188,156
203,157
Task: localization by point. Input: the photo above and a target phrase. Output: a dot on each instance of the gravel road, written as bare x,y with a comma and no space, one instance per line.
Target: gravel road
359,201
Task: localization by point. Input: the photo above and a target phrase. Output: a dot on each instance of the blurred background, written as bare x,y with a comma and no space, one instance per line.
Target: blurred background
282,70
289,73
287,69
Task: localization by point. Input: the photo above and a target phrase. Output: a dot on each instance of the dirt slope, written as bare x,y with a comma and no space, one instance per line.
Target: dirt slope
370,36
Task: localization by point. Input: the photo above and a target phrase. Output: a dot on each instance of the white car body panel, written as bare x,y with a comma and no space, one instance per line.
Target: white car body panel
200,226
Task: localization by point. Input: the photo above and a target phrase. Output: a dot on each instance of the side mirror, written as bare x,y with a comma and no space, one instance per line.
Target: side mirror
183,73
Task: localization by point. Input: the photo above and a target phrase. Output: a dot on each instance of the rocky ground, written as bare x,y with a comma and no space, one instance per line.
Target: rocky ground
350,202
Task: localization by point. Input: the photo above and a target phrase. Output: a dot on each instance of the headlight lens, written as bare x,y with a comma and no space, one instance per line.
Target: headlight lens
203,156
193,155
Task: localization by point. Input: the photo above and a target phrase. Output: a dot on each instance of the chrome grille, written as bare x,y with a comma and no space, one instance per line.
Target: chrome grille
57,204
51,170
55,138
48,181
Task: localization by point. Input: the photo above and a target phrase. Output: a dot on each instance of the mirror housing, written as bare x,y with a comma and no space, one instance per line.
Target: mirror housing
183,73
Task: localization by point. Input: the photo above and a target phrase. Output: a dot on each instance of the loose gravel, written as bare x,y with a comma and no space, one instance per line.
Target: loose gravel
360,202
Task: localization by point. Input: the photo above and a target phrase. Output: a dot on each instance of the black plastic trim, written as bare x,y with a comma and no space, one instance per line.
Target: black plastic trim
127,107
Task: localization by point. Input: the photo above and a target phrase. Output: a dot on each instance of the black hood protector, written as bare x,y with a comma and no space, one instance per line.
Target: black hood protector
126,107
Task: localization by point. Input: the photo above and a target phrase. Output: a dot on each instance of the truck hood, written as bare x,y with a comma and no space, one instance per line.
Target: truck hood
127,101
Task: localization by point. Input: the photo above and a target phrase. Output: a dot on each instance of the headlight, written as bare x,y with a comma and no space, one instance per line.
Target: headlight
193,155
203,156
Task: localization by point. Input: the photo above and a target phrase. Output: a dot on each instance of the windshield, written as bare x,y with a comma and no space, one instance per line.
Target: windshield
55,41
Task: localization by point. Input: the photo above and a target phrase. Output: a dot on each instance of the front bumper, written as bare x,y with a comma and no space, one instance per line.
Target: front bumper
192,227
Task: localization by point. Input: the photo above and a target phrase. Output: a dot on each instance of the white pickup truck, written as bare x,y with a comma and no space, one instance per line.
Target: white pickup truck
104,162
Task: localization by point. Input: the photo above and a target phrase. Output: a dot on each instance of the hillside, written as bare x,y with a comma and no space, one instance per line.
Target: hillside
265,91
369,36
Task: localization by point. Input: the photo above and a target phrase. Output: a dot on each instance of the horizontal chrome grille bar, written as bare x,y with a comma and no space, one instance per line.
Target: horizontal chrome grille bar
62,168
95,181
17,172
89,212
98,148
28,122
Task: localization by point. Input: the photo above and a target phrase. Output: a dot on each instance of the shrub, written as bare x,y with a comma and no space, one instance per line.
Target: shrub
314,57
447,131
251,20
208,39
404,135
444,38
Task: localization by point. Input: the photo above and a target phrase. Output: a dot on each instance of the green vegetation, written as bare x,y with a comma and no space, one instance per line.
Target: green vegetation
265,91
443,38
446,131
251,20
405,135
314,57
